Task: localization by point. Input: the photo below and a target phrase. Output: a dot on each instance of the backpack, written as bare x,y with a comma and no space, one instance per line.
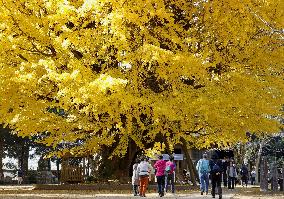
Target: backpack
204,167
216,168
168,168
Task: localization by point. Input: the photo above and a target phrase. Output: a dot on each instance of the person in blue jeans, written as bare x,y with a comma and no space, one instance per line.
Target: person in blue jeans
203,171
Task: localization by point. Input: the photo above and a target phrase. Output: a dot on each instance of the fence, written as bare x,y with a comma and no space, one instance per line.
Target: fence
72,174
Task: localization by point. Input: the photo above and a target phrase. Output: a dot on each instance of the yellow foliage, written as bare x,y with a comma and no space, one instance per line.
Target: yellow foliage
106,72
157,149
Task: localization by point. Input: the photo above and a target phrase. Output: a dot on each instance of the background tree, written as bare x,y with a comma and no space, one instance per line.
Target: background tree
135,70
270,149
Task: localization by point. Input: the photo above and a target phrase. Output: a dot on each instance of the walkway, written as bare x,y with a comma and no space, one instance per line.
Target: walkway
27,192
104,196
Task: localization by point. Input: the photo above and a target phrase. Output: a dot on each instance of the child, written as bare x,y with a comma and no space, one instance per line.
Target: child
135,178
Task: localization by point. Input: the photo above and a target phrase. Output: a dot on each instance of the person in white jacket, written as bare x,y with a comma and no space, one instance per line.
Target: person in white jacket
144,170
135,177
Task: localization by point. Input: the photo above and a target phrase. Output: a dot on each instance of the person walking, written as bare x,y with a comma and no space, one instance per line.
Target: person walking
135,177
20,176
244,175
237,178
170,177
160,167
225,163
232,174
144,169
203,171
216,175
253,176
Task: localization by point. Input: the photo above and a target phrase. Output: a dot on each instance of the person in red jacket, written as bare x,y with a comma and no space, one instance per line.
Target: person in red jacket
160,167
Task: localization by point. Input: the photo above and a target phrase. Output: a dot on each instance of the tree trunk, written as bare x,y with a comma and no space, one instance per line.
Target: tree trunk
23,160
26,159
169,152
116,168
132,155
1,157
274,180
240,153
192,171
84,167
88,166
257,164
92,165
263,175
282,188
58,169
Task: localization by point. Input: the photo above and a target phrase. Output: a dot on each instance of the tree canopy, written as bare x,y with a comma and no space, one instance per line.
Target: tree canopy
103,72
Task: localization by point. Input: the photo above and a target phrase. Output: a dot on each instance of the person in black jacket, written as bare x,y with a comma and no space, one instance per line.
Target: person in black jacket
226,164
216,175
244,174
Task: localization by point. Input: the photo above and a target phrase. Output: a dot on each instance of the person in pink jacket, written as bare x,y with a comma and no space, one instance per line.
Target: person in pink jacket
160,167
170,171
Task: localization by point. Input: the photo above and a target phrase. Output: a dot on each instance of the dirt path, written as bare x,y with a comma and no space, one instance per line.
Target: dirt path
104,196
27,192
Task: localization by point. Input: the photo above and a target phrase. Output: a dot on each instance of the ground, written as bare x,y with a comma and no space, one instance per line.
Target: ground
27,192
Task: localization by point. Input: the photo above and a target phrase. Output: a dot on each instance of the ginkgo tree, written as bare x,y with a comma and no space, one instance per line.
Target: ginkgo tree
98,73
